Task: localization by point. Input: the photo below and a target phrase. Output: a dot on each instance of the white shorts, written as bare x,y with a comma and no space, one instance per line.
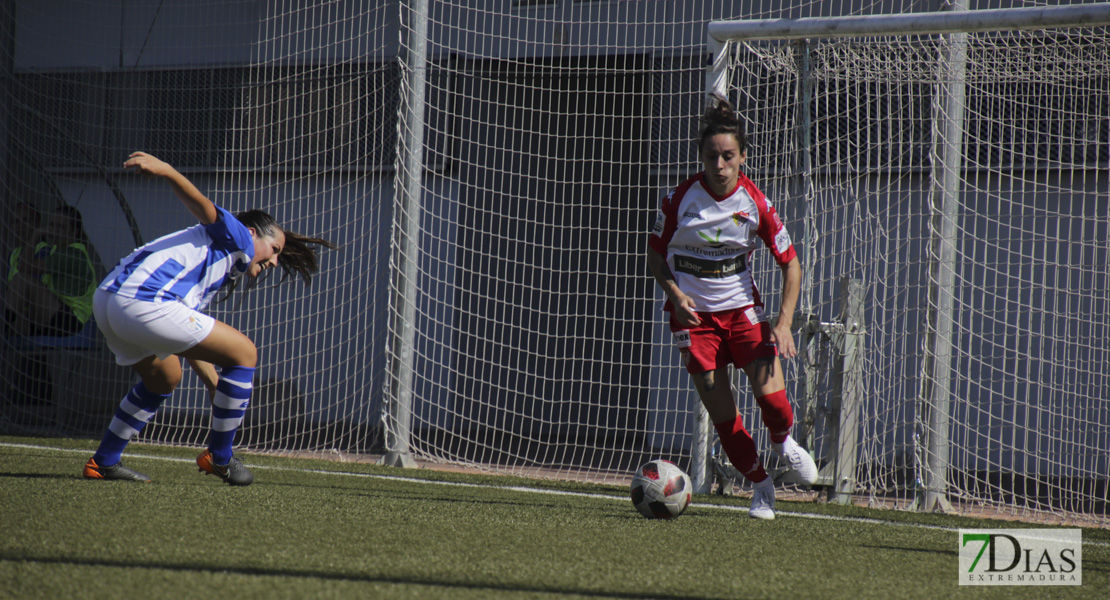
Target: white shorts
136,329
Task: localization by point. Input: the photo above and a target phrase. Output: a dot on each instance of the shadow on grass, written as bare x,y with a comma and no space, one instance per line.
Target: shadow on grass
65,476
952,553
350,578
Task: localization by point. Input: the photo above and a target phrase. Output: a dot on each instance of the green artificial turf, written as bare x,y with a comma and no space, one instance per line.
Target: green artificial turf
320,529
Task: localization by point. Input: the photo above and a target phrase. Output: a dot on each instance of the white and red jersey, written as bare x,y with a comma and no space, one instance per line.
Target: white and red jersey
708,242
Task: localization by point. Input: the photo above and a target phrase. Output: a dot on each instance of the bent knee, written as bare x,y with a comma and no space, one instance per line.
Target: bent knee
251,360
161,378
242,355
226,347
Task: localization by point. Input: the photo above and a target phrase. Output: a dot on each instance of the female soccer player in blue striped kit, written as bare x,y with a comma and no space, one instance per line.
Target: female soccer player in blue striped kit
148,309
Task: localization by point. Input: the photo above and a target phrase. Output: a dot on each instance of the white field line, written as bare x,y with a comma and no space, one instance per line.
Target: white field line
778,513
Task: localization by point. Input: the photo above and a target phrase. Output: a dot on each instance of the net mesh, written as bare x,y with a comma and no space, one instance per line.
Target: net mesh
281,107
1027,422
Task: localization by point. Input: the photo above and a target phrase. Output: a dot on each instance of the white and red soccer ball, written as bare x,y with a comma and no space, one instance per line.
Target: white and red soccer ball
661,490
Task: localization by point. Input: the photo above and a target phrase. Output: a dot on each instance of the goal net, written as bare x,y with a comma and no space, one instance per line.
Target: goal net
961,181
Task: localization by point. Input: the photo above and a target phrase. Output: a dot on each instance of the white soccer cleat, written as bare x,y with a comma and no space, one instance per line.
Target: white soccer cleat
763,500
803,471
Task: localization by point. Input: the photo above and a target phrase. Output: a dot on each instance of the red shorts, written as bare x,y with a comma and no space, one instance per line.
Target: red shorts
736,336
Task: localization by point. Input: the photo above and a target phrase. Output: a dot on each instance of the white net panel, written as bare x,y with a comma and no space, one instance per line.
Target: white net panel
314,145
263,105
551,131
1029,419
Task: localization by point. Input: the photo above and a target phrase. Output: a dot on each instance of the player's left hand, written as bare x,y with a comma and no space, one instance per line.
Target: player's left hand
784,339
146,164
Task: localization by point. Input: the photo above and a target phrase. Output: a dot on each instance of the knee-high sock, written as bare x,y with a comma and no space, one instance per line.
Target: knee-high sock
777,415
233,395
136,409
740,448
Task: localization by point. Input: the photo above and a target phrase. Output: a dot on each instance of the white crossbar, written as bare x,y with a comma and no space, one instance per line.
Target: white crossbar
998,19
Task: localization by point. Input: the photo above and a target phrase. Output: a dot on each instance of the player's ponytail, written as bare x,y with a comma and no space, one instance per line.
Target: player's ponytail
298,256
721,118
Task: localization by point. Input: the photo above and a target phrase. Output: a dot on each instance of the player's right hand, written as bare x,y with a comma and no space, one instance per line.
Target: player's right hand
684,311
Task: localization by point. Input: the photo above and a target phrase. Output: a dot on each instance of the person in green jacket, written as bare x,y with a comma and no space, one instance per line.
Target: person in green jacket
25,225
50,288
25,222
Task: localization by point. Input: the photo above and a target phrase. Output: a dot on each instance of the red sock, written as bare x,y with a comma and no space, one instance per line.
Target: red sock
777,415
740,448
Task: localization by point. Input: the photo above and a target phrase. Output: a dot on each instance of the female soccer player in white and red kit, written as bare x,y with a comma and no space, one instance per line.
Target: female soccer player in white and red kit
699,252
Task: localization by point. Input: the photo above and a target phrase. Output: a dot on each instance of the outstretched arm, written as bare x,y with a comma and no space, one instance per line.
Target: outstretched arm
197,204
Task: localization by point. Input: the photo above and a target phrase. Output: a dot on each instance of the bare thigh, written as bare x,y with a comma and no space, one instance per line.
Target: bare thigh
225,347
765,376
715,391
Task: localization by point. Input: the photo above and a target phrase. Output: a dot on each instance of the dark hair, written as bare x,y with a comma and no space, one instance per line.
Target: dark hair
76,222
298,256
720,117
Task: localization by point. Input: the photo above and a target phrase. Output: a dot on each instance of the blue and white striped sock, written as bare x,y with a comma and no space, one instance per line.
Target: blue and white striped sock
136,409
233,395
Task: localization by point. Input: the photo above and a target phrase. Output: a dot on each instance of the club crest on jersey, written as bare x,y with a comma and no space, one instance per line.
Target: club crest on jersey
740,217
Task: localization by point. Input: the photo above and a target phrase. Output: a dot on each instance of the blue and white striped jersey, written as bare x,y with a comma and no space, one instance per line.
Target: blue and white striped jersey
187,266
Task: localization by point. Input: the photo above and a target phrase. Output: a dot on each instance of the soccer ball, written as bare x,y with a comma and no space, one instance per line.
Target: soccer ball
660,490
